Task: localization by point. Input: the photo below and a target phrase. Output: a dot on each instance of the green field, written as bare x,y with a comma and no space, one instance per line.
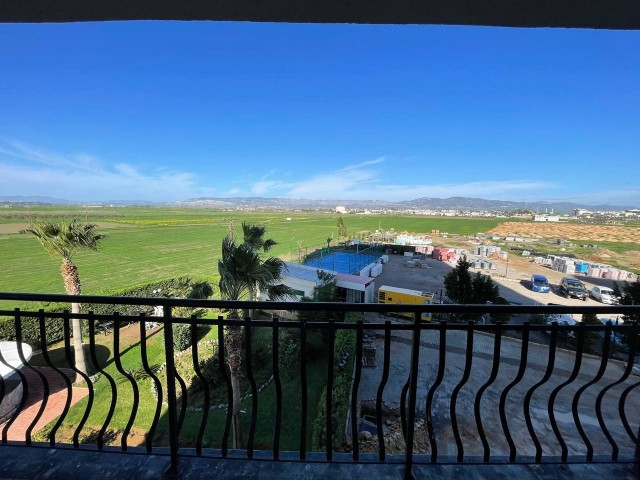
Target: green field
150,244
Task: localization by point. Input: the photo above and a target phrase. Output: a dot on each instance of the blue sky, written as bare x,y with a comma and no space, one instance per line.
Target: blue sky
169,111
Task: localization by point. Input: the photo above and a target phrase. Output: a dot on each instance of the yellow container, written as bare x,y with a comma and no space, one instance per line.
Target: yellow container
405,296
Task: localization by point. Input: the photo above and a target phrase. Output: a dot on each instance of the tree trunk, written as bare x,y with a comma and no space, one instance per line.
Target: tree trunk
251,299
233,345
78,347
235,417
72,286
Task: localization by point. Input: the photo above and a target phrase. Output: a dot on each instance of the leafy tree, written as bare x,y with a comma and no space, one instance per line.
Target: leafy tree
243,273
500,317
64,240
484,289
462,288
616,291
186,288
590,338
342,229
325,292
630,295
329,240
457,283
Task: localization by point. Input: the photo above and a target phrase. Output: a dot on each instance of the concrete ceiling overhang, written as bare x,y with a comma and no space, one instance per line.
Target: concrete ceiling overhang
604,14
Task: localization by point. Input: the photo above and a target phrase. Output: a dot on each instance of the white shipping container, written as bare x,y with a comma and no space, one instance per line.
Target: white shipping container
376,270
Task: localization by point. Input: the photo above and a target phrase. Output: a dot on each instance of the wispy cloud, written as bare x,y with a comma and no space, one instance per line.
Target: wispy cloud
32,171
363,181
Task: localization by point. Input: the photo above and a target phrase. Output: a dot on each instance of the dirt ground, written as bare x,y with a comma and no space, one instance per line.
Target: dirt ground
596,233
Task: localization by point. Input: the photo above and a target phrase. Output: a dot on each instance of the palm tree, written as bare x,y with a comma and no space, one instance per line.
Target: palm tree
244,273
65,239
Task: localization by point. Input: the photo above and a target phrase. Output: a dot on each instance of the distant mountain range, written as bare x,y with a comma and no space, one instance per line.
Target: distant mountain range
424,203
30,199
452,203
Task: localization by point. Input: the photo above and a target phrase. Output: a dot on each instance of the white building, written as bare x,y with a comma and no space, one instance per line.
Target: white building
546,218
302,279
341,209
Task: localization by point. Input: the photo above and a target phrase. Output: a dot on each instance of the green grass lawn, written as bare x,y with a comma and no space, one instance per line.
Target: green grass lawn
131,360
167,243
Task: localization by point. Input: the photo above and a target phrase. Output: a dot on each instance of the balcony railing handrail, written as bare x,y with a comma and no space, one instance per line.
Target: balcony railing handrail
408,333
320,306
406,326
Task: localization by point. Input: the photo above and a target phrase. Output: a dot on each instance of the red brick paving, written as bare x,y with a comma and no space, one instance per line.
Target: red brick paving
55,404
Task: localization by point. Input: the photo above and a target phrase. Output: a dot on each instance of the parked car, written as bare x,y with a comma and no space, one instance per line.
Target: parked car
572,287
604,295
539,283
617,340
562,319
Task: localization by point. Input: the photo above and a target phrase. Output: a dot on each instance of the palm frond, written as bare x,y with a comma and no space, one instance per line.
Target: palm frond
65,239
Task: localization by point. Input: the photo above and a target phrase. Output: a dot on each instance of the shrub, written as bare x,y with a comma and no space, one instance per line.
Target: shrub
54,329
289,356
181,336
54,326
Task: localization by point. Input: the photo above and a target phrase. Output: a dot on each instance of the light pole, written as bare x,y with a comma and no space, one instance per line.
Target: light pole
506,270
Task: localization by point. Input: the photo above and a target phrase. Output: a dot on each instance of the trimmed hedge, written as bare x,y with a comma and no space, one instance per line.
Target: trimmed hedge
54,329
54,326
145,290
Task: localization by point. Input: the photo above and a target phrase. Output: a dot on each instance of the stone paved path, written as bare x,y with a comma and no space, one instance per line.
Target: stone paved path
54,407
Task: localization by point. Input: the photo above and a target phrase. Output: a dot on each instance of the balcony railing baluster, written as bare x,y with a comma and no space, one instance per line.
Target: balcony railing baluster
248,339
383,382
611,387
329,398
524,352
183,401
156,381
497,339
225,375
105,374
596,379
43,379
625,375
23,396
203,382
303,390
552,398
132,381
174,431
67,382
278,386
531,391
413,393
85,377
354,393
454,394
442,351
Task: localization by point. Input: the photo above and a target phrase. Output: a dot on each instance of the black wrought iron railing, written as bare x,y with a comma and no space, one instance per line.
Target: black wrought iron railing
365,388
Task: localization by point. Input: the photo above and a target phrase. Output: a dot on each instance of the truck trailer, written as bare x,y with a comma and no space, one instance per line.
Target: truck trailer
405,296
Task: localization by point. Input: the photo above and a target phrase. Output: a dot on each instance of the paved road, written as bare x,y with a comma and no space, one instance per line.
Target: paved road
509,361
